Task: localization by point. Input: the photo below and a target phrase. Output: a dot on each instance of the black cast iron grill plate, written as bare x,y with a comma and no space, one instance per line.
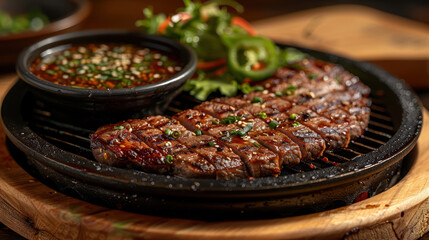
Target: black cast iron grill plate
59,150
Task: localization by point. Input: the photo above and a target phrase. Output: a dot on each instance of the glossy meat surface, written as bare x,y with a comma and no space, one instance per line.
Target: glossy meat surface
304,111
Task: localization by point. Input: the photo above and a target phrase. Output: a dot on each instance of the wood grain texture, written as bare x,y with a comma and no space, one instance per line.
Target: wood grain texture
399,45
352,30
38,212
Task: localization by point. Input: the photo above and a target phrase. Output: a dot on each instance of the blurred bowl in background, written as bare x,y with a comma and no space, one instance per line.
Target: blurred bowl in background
64,16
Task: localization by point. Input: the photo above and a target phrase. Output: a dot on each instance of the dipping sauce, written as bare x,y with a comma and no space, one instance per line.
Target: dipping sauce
105,66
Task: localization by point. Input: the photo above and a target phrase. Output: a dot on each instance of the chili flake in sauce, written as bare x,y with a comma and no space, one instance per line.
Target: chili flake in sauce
105,66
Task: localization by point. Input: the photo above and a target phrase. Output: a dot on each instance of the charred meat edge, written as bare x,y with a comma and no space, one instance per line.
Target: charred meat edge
259,160
228,165
148,149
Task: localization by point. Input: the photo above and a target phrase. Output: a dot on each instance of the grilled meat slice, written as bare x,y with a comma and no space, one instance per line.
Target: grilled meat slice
277,142
311,144
310,79
259,160
117,146
335,135
337,99
139,140
186,163
269,103
228,164
347,107
288,151
347,79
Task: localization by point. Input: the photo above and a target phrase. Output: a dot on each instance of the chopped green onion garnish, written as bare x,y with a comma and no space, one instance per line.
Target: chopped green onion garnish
243,131
246,88
257,100
293,116
62,68
256,144
211,144
230,119
168,131
262,115
338,80
215,122
273,124
312,75
246,129
296,124
169,159
259,88
50,72
118,127
290,90
198,132
279,94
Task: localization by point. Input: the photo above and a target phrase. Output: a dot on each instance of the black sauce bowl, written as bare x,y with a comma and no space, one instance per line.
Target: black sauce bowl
99,106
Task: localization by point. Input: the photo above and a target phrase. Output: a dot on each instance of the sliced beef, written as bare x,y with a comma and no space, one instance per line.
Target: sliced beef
344,107
259,160
288,151
344,77
228,164
277,142
311,144
117,145
150,147
335,135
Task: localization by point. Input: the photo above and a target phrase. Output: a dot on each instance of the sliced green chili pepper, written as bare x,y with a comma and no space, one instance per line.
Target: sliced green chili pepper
251,57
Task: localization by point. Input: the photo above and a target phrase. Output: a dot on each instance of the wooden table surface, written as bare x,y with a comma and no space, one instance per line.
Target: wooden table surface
289,28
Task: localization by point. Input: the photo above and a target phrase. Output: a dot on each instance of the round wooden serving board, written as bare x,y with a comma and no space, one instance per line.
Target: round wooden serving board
38,212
